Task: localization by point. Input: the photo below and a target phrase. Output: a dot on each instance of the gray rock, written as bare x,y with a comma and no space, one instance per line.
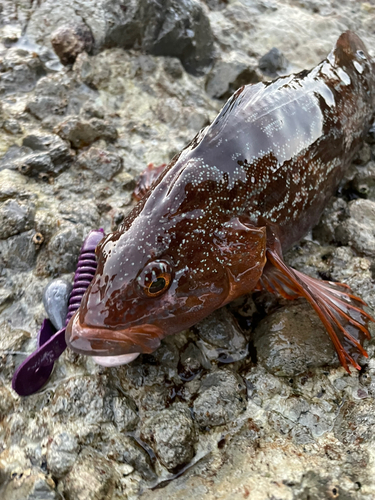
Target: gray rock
125,449
12,185
64,247
273,63
358,231
356,423
19,71
30,485
223,338
70,40
168,28
292,340
62,453
364,181
222,397
102,162
125,413
18,252
92,478
171,435
12,127
83,133
35,164
229,73
15,217
58,150
55,299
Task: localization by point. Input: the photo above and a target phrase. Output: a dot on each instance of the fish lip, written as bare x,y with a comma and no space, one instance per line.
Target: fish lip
101,341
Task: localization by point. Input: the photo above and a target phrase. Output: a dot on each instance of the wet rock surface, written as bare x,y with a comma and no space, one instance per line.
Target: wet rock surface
251,402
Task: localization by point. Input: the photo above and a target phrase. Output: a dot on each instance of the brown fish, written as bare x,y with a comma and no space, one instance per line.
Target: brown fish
215,223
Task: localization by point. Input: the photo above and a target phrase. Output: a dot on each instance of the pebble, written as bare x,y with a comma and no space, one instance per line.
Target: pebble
171,435
15,217
62,454
293,340
102,162
69,41
358,229
222,397
82,133
273,64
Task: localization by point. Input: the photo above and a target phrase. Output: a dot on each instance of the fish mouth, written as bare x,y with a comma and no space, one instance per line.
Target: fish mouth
112,347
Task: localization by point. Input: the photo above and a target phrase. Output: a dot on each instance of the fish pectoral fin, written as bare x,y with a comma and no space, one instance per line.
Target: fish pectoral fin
340,311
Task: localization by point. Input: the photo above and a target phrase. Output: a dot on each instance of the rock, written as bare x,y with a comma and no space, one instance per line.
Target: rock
364,181
19,71
30,485
171,434
125,449
356,423
18,252
125,413
102,162
55,299
221,399
230,73
64,247
167,28
15,217
12,127
92,478
293,340
12,184
58,150
62,454
35,164
273,64
69,41
82,133
358,230
223,338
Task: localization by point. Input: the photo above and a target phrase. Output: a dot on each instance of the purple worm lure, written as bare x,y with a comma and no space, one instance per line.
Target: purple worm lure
35,371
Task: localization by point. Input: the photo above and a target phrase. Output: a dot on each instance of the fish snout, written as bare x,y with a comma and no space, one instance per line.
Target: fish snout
112,347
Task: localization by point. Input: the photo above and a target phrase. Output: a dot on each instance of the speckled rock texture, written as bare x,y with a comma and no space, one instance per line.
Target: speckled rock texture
249,404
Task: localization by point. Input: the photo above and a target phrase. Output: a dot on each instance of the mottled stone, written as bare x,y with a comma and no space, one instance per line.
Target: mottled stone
82,133
15,217
58,150
30,485
18,252
273,63
356,423
358,230
20,70
70,40
292,340
91,478
171,434
229,73
125,413
62,453
222,336
102,162
222,397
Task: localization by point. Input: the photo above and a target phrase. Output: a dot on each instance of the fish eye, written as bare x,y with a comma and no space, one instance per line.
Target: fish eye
155,278
361,54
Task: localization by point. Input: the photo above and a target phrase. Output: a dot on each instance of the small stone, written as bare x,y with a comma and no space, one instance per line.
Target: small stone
358,230
58,150
171,434
364,155
55,299
20,71
102,162
92,478
35,163
222,397
356,422
64,248
273,63
223,338
62,453
292,340
18,252
229,74
12,127
125,413
12,184
69,41
30,485
125,449
15,217
82,133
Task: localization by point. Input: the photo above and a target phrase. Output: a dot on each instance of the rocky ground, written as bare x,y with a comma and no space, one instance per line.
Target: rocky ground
206,416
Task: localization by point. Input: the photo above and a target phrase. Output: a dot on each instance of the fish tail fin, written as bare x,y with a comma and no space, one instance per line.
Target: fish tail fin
340,311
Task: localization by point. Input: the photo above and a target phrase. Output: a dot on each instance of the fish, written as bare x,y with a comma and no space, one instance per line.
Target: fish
216,222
